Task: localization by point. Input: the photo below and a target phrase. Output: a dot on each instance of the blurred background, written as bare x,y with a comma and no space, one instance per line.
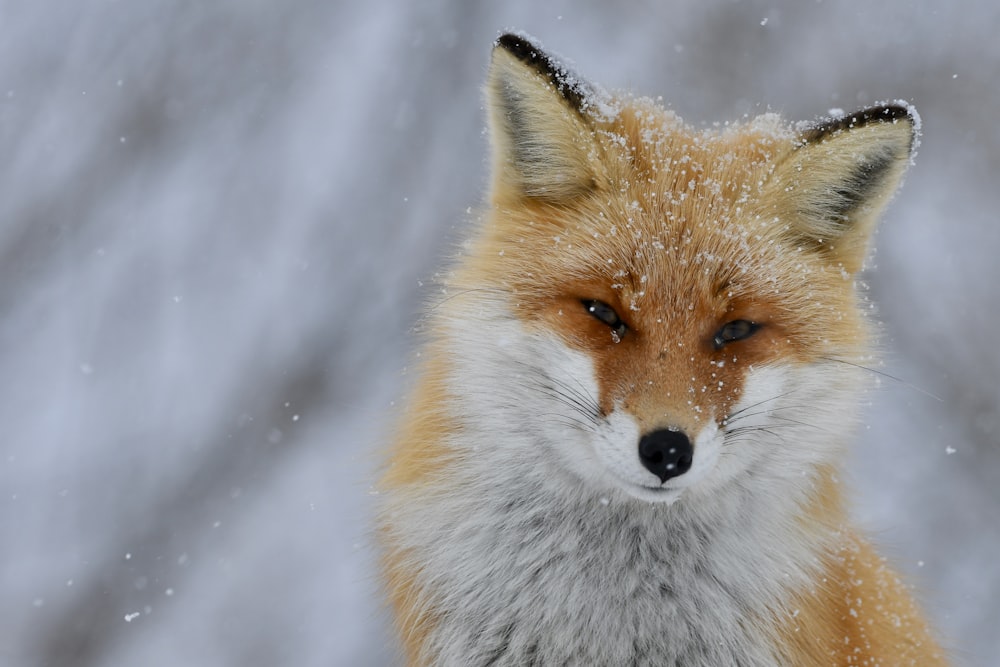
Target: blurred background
218,222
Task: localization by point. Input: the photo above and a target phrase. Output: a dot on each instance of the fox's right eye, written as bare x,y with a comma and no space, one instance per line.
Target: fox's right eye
606,314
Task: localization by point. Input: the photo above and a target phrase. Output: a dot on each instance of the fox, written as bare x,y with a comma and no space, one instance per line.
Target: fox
625,441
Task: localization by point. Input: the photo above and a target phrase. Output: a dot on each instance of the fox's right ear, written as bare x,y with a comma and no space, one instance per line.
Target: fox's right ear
543,145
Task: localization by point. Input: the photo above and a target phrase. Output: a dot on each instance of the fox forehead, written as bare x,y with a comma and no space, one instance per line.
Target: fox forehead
650,150
678,221
664,189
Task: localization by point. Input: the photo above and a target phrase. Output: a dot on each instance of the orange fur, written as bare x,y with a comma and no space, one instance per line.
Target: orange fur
417,461
739,215
858,611
545,254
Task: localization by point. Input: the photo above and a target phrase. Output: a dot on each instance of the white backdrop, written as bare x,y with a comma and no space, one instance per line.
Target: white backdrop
218,220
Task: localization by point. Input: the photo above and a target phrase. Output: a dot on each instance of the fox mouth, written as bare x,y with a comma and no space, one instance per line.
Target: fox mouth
656,494
651,494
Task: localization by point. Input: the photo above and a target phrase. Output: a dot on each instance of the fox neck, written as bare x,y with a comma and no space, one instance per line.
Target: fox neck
532,565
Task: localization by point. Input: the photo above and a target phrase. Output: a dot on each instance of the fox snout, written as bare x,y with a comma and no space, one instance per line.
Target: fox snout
666,453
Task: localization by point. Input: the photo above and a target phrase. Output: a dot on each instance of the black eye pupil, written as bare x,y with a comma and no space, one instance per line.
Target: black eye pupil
602,311
606,314
734,331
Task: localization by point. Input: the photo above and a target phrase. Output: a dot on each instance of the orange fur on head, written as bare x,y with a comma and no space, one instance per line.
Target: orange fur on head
669,224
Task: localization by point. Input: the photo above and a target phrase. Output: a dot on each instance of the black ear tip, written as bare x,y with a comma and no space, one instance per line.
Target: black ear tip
571,87
518,46
891,112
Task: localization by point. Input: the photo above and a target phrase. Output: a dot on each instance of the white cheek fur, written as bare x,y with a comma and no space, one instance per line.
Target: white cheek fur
790,419
544,396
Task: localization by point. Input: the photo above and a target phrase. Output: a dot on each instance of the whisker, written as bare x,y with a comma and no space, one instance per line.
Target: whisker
770,411
769,429
568,421
578,399
772,414
888,376
576,407
797,422
583,392
469,290
558,390
751,429
581,400
757,404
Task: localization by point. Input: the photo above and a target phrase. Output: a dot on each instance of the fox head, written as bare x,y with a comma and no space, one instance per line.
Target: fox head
658,309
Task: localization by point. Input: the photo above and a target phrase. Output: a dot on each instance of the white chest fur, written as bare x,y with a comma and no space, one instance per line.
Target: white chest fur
523,575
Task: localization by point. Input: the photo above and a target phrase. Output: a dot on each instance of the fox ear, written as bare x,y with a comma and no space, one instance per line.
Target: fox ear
543,145
836,182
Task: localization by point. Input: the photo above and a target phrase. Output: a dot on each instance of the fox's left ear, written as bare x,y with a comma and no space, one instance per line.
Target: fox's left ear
833,186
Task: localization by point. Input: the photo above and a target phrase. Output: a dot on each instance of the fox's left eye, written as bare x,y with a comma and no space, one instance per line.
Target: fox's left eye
608,316
734,331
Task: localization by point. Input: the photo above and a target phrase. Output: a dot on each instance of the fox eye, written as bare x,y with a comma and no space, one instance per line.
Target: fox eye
734,331
608,316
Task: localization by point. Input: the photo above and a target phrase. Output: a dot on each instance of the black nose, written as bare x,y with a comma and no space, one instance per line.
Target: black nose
666,453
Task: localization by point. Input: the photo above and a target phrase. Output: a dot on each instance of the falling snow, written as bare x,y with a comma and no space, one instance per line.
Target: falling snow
164,189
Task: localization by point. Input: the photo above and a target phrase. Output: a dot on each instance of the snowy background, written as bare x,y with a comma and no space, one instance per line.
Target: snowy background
217,223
